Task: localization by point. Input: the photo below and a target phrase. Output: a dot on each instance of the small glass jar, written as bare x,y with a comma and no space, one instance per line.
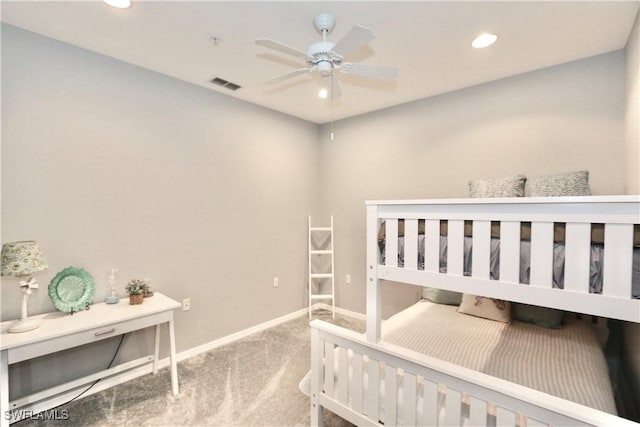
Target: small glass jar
112,291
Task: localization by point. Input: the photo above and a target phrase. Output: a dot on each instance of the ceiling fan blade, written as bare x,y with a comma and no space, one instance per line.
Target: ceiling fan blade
354,40
272,44
370,71
288,75
330,83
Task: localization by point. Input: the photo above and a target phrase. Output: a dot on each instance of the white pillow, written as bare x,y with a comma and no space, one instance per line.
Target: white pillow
488,308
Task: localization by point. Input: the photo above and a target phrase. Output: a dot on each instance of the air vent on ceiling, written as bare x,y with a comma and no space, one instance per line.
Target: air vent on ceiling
225,83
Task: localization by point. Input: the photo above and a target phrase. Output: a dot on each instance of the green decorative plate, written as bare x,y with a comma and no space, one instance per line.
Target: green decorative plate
72,290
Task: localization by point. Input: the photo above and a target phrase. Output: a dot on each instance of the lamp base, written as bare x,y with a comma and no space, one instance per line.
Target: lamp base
24,325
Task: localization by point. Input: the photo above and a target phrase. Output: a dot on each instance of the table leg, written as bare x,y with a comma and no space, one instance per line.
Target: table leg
157,350
5,413
174,366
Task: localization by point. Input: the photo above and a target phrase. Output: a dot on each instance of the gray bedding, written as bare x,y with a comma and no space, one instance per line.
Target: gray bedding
597,256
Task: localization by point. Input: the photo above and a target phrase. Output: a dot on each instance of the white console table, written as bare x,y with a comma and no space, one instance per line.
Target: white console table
60,331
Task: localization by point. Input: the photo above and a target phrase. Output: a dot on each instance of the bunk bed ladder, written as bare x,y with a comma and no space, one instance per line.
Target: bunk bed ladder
323,250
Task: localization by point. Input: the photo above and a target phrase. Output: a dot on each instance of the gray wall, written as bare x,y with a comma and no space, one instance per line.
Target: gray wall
107,164
632,113
559,119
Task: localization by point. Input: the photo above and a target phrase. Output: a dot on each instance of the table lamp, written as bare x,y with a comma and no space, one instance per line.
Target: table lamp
21,259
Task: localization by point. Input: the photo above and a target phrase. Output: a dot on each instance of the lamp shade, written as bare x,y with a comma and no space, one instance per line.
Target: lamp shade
22,258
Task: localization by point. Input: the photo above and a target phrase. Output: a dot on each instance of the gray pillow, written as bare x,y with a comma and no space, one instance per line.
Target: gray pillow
564,184
508,186
541,316
441,296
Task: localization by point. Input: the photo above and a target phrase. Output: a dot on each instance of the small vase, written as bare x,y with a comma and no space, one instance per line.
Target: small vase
136,299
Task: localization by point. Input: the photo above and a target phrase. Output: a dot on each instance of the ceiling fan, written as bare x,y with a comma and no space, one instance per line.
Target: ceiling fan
326,58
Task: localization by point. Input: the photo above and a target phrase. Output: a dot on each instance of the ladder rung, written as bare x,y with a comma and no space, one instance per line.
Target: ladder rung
321,275
320,229
328,296
321,252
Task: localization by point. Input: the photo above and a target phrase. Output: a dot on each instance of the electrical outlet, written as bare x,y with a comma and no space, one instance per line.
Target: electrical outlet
276,282
347,279
186,304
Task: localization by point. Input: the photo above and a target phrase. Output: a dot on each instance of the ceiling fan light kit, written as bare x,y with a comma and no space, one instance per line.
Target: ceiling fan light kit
120,4
484,40
325,58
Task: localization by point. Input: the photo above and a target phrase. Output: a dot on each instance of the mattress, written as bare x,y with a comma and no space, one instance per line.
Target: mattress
568,362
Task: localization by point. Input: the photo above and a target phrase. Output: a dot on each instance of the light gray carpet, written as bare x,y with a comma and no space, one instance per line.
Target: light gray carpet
251,382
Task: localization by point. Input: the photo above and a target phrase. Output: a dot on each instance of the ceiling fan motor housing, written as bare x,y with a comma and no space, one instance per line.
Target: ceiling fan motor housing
321,56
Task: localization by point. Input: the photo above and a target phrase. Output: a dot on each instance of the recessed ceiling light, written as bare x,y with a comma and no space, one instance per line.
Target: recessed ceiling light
323,93
120,4
484,40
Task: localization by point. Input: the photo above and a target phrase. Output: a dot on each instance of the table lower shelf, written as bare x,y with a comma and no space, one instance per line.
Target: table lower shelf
60,394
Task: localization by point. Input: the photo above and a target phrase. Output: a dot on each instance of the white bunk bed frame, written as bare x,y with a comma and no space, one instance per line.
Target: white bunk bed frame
370,382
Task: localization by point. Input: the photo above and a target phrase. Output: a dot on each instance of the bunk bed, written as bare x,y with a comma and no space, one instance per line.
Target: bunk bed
392,376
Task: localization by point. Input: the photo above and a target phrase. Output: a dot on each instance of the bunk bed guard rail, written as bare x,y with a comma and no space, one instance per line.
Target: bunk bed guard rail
619,215
381,384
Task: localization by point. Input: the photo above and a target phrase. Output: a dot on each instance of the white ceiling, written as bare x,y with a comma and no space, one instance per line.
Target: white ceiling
429,43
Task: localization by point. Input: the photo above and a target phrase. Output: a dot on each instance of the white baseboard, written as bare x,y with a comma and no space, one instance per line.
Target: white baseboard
120,378
233,337
343,311
195,351
257,328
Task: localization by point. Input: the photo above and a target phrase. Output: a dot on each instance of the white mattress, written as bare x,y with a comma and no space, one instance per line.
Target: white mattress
568,362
